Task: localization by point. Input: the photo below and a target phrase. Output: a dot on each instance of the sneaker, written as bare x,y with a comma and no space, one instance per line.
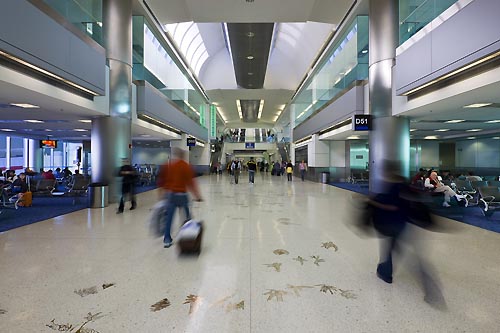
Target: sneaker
445,204
167,244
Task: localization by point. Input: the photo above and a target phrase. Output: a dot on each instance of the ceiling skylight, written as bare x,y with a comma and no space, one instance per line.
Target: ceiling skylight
189,41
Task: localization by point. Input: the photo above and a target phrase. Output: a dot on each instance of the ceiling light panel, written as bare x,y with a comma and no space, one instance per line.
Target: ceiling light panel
477,105
25,106
33,121
456,121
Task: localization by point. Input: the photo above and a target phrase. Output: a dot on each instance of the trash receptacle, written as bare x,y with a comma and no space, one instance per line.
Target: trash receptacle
98,195
325,177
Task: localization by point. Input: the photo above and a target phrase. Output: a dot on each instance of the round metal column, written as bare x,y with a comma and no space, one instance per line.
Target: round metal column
389,139
111,136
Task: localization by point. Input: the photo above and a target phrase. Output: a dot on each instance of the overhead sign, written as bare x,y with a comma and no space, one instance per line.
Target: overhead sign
213,122
191,142
202,115
362,122
250,145
48,144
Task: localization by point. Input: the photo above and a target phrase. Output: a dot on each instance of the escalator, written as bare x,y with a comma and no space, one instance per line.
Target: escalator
284,150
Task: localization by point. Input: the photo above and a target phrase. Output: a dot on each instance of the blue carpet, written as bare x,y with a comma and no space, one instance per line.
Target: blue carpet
45,208
470,215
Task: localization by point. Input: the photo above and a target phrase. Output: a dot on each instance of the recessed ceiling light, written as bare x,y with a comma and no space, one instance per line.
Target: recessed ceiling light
85,121
474,130
25,105
250,73
6,130
352,137
250,34
454,121
442,130
413,129
477,105
431,137
80,130
471,137
49,135
492,121
364,51
250,57
48,130
33,121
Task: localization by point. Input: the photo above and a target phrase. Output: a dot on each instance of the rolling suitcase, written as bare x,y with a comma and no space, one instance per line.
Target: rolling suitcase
190,236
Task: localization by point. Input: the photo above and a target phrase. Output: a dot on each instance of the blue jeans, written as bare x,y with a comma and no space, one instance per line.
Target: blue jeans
251,176
175,200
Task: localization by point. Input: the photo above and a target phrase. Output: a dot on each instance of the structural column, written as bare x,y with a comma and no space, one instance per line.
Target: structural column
390,137
111,135
7,152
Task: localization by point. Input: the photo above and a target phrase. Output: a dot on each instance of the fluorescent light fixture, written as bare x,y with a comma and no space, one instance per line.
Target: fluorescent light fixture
492,121
474,130
6,130
303,143
413,129
471,138
364,51
431,137
191,107
352,137
80,130
33,121
261,106
48,130
477,105
25,105
455,72
43,71
145,135
496,138
49,135
455,121
250,57
238,105
442,130
347,71
85,121
200,144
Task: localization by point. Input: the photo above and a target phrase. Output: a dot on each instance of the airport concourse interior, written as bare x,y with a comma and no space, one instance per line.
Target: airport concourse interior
249,166
275,256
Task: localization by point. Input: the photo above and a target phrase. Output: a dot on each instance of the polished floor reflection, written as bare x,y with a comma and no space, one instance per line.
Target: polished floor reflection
277,256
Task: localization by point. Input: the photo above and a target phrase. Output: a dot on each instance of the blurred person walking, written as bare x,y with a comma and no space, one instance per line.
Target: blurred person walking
252,167
392,209
302,169
289,171
129,176
236,168
176,178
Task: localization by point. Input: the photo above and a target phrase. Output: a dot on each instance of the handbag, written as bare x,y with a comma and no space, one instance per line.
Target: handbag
156,221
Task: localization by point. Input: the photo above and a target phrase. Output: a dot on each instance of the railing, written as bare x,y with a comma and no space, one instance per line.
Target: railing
414,18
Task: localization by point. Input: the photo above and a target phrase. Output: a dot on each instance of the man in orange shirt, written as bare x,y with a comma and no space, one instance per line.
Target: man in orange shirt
176,178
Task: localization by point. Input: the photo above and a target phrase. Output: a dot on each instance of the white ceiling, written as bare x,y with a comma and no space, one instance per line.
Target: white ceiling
61,115
241,11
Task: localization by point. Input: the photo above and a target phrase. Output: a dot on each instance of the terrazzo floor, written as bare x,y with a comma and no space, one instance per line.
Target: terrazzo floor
277,256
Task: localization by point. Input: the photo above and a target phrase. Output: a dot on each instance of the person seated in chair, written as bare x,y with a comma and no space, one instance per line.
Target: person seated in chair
19,185
433,183
473,178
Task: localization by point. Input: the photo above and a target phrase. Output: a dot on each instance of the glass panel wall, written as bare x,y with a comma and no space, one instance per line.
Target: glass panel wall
344,63
416,14
86,15
155,64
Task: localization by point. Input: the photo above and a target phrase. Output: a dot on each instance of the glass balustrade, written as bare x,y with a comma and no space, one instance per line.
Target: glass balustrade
416,14
86,15
345,62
